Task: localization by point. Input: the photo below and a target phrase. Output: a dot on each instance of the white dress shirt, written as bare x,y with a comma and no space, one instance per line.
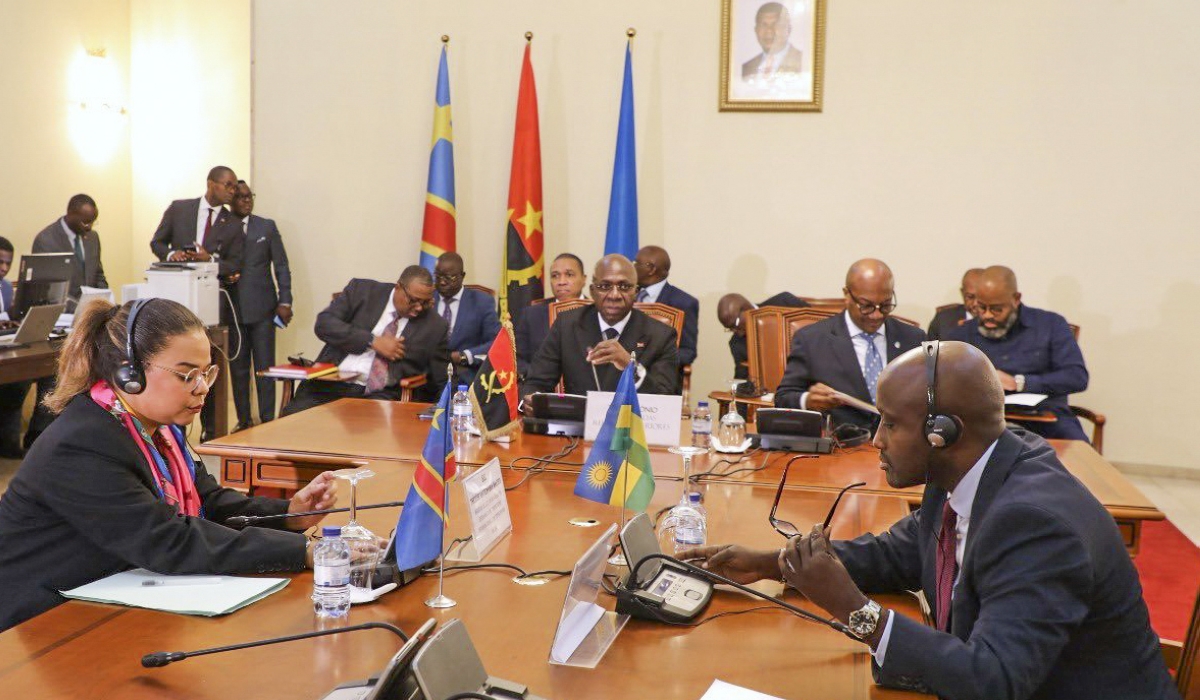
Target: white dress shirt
860,349
70,234
202,218
962,499
361,363
653,291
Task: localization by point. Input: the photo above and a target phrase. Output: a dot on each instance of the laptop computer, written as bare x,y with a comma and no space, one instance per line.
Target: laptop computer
35,327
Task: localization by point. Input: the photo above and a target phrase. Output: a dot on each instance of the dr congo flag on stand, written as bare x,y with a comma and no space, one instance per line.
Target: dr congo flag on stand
618,470
419,532
438,230
494,390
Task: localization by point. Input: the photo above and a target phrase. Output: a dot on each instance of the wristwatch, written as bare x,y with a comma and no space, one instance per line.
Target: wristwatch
1020,381
863,621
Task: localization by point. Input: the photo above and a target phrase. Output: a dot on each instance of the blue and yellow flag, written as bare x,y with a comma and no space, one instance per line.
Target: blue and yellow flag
622,234
438,231
618,469
419,532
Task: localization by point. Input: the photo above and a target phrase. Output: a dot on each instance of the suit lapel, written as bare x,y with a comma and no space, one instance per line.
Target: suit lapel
843,350
894,344
589,337
995,473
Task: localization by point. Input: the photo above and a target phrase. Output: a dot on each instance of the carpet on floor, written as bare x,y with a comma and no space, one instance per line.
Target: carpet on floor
1169,567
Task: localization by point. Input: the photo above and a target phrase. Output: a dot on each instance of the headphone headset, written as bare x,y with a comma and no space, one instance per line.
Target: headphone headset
130,377
940,430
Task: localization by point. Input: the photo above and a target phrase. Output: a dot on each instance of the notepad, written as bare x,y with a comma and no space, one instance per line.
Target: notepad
856,403
207,596
720,690
1025,400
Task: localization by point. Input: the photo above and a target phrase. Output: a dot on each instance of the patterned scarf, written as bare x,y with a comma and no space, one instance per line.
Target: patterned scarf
174,476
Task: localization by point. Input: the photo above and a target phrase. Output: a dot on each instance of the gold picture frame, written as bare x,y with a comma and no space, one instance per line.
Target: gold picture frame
776,50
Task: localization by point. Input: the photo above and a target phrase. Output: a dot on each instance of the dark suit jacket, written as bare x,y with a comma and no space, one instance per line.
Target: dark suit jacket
178,229
531,332
565,350
737,343
6,294
1047,605
476,323
824,352
83,505
345,327
53,239
793,62
690,306
255,292
946,320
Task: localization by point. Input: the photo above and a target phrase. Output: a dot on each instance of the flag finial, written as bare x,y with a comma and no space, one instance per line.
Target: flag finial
528,36
445,38
631,32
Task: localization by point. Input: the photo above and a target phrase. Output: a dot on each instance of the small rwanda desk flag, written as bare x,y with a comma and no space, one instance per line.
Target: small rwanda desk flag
618,469
419,532
493,392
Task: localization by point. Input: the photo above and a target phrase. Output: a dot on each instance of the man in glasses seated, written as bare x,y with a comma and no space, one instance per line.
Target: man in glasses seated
729,312
956,315
1033,595
382,333
844,354
1033,350
589,347
470,313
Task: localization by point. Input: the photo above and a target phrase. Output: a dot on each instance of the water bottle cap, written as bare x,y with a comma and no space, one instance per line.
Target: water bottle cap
702,403
331,531
694,497
462,387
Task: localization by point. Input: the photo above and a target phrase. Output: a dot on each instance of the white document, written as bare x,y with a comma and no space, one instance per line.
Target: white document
661,416
189,595
720,690
1026,400
487,506
856,403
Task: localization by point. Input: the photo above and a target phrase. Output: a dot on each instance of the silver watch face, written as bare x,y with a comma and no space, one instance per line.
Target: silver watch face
864,620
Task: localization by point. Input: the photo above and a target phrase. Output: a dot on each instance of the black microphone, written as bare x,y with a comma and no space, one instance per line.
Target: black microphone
244,520
159,659
831,623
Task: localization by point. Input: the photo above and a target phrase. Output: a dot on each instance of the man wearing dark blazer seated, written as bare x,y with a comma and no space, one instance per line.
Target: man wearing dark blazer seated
566,281
956,315
844,354
470,314
1033,595
729,312
384,333
653,266
602,337
189,229
72,233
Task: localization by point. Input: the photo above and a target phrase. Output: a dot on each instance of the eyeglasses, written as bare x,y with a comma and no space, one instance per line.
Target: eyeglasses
606,287
866,308
449,278
789,530
992,309
414,301
193,378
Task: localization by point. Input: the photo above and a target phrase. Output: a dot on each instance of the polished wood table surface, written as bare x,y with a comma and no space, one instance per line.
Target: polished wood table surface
288,452
90,650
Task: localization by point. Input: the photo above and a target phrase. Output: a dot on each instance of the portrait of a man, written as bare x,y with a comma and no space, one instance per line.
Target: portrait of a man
772,55
773,28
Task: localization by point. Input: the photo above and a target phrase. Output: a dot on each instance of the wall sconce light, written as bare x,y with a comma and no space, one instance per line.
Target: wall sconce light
97,113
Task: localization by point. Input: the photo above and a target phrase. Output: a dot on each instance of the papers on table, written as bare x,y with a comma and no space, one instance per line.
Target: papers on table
856,403
720,690
1024,400
189,595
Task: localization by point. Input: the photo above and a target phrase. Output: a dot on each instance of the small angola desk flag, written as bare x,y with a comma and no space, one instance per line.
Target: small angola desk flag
493,392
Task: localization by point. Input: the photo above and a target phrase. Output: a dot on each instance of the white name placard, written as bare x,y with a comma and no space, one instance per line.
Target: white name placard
487,506
661,416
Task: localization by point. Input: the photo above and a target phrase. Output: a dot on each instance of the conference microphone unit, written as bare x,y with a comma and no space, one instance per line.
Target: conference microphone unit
244,520
159,659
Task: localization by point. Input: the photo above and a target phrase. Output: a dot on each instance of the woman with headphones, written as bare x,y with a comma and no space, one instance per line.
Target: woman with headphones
111,484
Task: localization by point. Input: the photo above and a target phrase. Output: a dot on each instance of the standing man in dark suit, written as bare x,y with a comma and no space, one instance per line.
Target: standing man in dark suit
12,396
183,234
73,233
729,313
653,266
1033,594
382,332
589,347
259,301
844,354
566,281
1033,350
470,313
956,315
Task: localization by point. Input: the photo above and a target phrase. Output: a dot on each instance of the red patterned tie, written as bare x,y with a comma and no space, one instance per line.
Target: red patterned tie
379,368
947,566
207,228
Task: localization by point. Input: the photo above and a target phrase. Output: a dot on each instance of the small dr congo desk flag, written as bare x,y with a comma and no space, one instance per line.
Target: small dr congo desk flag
419,532
494,390
618,469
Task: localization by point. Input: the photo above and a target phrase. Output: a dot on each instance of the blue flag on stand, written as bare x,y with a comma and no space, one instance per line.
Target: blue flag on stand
424,517
622,235
617,470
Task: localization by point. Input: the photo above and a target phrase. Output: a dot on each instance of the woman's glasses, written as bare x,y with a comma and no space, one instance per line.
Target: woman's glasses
193,378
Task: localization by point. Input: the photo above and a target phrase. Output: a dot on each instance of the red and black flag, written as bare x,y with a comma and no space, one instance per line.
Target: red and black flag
523,264
494,391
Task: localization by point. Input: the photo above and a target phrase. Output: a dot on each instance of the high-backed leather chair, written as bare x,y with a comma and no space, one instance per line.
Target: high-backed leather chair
480,288
558,307
673,317
827,304
769,331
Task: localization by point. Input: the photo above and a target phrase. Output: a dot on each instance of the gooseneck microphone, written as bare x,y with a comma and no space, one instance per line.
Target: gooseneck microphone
162,658
244,520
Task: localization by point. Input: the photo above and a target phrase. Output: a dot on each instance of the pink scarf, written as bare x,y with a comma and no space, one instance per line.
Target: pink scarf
175,476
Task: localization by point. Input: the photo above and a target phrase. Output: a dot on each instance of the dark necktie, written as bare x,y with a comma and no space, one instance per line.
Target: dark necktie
873,365
642,296
947,566
446,314
207,227
379,368
79,255
610,333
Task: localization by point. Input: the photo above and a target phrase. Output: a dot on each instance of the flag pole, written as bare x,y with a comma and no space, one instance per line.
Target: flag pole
618,559
440,600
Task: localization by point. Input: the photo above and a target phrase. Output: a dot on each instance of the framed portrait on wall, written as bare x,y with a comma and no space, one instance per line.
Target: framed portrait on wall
772,55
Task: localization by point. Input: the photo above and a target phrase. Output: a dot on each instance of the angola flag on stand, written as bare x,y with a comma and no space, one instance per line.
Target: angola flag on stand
617,470
493,392
437,233
423,519
523,238
622,234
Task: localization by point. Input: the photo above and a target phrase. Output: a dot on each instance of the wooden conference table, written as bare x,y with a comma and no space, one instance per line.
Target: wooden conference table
289,452
89,650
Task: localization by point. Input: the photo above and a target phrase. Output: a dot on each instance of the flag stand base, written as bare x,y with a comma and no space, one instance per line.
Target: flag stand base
440,602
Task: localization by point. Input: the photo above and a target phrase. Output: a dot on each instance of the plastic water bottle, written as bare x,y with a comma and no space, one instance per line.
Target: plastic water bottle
701,425
331,574
691,523
461,419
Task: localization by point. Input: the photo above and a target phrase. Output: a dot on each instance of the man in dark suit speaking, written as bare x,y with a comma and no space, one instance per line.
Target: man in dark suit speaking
1033,593
844,354
589,347
382,332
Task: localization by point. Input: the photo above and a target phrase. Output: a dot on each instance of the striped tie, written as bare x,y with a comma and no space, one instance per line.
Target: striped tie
873,365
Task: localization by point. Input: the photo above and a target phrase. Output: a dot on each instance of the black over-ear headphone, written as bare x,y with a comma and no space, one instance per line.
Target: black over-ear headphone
940,430
130,377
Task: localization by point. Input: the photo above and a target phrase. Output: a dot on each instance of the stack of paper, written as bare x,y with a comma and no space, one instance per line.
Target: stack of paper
189,595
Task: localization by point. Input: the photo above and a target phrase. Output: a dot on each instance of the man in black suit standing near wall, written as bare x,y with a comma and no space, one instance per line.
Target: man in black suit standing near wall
186,232
383,332
263,293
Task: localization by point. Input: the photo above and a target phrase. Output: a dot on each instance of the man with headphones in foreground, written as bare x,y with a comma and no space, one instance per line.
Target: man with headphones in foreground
1032,592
